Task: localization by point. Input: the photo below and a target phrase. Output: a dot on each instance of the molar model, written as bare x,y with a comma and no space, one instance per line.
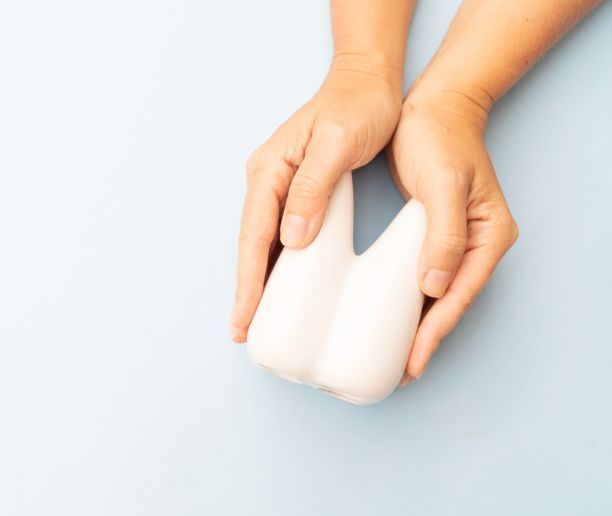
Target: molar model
338,322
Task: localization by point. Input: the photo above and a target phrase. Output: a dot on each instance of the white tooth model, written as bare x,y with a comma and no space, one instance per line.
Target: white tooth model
338,322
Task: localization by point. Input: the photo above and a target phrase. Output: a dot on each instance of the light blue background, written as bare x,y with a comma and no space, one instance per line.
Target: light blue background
124,126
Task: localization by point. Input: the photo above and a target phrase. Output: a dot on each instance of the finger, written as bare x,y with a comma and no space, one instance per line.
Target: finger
475,270
275,250
258,228
325,160
444,245
393,170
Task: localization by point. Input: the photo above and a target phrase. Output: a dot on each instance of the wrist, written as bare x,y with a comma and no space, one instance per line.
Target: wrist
369,68
461,98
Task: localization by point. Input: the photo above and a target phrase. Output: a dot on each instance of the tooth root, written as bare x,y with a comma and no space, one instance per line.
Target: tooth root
336,234
339,322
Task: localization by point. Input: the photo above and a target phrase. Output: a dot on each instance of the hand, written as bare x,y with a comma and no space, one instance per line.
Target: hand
438,156
342,127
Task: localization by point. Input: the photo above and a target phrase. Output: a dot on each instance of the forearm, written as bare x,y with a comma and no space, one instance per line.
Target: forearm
492,43
370,36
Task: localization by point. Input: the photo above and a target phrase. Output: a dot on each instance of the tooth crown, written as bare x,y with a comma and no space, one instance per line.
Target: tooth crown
339,322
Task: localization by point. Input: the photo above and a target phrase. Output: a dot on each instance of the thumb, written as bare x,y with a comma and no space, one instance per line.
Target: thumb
446,238
311,187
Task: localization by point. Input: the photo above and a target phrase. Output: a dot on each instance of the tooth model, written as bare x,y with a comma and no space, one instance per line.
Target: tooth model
338,322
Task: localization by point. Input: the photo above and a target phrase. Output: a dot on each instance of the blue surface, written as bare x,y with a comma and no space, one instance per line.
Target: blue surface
124,128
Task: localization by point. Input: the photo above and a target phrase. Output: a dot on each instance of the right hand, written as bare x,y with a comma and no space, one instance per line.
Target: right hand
438,156
342,127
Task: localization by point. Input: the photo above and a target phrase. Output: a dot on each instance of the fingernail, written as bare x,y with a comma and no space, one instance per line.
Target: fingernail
406,379
236,333
293,230
436,282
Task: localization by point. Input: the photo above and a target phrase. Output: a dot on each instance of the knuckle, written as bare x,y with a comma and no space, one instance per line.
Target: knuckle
433,332
334,131
254,238
513,231
254,163
451,177
245,233
463,300
449,243
505,229
305,187
508,230
268,166
248,288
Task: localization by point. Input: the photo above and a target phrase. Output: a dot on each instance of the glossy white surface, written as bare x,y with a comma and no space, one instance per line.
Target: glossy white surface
342,323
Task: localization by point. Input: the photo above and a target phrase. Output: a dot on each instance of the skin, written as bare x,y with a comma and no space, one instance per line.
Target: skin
348,121
437,153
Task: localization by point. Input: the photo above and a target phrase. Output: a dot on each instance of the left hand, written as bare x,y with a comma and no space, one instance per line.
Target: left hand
292,175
